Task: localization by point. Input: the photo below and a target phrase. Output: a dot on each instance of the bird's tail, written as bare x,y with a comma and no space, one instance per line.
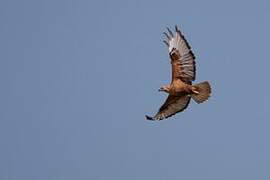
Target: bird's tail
201,91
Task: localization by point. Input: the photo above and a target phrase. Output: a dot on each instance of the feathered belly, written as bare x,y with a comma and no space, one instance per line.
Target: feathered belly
180,89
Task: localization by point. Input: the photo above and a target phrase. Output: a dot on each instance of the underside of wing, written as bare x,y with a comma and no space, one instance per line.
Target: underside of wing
182,57
172,105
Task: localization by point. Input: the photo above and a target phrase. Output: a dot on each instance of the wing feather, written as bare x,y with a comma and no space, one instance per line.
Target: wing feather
182,57
172,105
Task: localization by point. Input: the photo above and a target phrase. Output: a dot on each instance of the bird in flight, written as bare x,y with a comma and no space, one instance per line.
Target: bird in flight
180,89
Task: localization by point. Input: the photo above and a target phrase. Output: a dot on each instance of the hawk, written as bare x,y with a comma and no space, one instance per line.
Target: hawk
180,89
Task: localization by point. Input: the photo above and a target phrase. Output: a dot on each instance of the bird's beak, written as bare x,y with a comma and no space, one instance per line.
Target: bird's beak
160,89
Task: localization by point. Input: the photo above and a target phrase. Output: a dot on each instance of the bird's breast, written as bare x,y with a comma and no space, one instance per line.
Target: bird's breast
179,88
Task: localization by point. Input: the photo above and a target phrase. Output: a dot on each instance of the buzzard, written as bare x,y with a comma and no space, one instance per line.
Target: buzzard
180,89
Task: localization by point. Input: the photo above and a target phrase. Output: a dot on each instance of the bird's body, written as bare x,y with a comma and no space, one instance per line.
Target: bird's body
180,89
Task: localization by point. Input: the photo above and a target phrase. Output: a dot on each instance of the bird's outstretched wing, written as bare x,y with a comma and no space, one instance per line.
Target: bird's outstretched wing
172,105
182,58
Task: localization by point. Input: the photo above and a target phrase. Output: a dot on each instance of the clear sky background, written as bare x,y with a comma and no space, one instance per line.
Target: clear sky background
77,78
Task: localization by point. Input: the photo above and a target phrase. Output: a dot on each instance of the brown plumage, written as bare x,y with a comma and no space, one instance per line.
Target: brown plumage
180,89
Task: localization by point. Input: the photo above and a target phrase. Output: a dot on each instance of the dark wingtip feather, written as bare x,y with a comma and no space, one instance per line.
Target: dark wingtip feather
178,31
167,35
170,31
149,118
176,28
166,43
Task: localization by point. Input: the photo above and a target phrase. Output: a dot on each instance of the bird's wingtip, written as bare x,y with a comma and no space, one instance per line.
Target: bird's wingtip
149,118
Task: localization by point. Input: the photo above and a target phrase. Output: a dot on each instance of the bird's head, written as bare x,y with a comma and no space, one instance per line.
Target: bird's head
164,88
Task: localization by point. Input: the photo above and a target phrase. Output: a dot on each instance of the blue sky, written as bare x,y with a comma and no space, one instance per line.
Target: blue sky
77,78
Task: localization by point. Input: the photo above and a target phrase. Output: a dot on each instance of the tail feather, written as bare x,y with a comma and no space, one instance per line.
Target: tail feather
201,92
